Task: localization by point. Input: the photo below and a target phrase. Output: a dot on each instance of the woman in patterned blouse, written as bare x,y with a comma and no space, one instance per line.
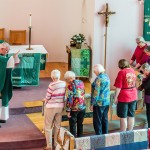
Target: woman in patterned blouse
100,100
75,105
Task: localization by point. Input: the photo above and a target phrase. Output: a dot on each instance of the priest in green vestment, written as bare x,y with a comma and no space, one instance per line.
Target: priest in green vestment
6,65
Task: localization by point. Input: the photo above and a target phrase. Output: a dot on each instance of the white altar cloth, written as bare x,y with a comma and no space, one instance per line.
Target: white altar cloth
26,73
23,49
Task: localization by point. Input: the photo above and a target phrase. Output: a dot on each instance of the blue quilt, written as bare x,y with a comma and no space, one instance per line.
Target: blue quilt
130,140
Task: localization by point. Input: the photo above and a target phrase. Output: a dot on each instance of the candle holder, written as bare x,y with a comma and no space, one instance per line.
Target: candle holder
30,39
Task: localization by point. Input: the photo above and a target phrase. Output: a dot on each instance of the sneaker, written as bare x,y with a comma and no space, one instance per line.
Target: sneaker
2,121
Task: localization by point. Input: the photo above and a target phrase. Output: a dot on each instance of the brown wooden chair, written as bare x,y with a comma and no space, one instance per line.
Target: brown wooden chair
2,33
17,37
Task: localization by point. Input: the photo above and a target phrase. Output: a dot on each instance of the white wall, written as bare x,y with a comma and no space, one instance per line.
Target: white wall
124,27
88,7
54,22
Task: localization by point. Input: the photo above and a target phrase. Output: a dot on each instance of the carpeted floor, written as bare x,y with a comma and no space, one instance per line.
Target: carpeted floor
20,133
114,125
28,94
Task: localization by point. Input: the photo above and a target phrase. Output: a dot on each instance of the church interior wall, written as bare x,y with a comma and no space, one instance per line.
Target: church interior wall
54,22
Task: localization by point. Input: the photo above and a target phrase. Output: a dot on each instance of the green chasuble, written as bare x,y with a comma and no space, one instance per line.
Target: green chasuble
5,81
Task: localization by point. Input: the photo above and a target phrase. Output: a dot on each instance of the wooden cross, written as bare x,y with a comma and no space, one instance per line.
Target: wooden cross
106,14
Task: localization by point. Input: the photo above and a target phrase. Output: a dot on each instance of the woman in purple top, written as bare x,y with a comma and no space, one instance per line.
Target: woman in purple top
147,51
145,68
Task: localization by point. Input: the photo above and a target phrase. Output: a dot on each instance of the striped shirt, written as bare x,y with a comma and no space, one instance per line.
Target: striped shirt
55,94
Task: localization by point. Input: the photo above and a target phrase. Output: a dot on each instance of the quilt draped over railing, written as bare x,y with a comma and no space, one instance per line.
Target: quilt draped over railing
130,140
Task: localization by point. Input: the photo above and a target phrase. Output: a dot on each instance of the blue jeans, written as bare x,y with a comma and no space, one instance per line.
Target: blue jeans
100,119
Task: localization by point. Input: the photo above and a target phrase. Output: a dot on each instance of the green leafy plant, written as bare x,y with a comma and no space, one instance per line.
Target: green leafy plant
78,38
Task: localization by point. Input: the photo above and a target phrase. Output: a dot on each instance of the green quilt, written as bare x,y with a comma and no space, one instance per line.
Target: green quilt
27,71
80,62
146,23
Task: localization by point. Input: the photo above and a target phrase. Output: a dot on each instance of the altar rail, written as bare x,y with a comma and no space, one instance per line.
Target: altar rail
112,111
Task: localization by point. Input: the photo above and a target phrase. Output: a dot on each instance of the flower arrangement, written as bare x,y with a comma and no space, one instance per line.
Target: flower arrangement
78,38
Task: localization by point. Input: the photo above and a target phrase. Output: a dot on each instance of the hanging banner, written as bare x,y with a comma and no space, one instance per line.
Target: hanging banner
146,25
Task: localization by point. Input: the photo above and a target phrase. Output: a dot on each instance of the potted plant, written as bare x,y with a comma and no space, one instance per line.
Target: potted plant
78,39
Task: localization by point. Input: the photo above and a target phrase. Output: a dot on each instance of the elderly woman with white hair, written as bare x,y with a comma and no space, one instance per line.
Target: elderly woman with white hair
139,55
75,105
100,100
54,105
145,68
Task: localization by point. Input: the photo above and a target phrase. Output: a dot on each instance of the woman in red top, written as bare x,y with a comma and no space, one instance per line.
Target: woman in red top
126,95
139,55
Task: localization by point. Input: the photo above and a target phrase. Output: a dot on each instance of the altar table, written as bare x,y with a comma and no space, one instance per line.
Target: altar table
26,73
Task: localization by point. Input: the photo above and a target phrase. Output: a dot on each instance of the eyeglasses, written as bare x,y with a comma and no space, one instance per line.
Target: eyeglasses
139,42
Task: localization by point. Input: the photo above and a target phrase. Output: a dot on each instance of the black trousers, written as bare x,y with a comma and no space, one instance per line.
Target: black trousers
148,113
76,118
100,119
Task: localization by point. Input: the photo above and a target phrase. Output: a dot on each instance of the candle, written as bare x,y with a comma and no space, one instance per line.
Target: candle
30,20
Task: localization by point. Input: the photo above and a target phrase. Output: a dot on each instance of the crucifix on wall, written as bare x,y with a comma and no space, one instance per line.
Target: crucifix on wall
106,14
